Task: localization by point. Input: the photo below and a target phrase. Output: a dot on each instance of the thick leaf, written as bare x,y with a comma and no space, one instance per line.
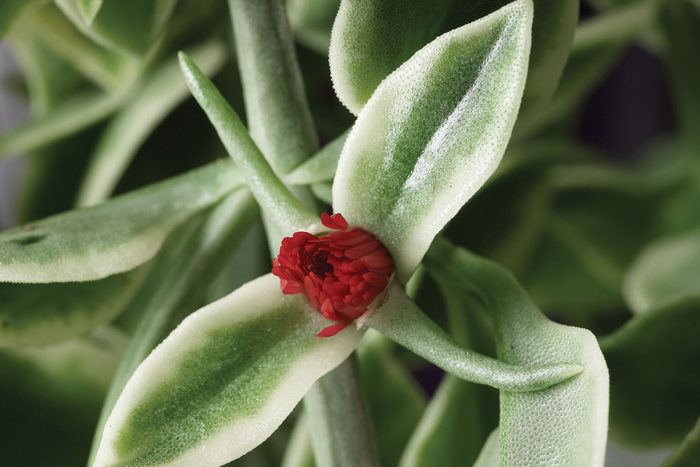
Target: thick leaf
38,314
654,375
399,319
433,132
87,8
299,452
371,39
490,453
321,167
224,379
120,141
395,401
49,402
565,424
104,67
181,291
341,431
11,10
667,270
127,26
285,211
93,243
311,21
688,453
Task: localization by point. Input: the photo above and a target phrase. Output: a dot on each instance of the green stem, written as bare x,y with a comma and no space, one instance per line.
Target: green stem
341,432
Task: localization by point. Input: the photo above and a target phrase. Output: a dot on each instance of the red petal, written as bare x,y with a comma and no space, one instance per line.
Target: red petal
362,250
333,330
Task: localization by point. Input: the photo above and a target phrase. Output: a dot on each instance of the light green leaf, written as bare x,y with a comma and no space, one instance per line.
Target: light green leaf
75,114
126,26
311,21
106,68
49,401
87,8
322,166
395,401
11,10
93,243
299,452
688,453
181,291
399,319
286,213
654,375
433,132
490,454
120,141
341,431
666,270
39,314
565,424
323,191
225,378
371,39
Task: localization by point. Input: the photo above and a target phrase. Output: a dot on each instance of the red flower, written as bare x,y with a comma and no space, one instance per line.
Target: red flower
340,273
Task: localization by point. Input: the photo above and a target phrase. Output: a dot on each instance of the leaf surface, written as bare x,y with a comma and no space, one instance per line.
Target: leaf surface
224,379
433,132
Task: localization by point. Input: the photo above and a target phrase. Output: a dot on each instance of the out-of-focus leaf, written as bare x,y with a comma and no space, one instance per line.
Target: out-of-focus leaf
87,8
371,39
11,10
395,401
312,21
299,452
49,402
323,191
667,270
93,243
433,132
680,21
182,291
341,431
654,375
460,415
490,453
399,319
688,453
321,167
104,67
226,377
39,314
127,26
285,211
120,141
565,424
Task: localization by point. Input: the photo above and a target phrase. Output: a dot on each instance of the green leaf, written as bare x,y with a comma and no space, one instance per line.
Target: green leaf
286,213
321,167
224,379
181,291
106,68
299,452
93,243
88,9
371,39
395,401
688,453
312,21
654,375
399,319
565,424
666,270
433,132
341,431
49,401
126,26
120,141
490,453
11,10
39,314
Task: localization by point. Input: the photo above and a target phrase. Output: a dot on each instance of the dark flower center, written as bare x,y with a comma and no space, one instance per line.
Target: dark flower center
319,264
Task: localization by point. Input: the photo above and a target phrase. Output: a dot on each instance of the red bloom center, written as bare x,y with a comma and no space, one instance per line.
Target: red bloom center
341,273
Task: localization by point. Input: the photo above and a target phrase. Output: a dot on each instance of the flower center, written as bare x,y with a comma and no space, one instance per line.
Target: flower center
341,273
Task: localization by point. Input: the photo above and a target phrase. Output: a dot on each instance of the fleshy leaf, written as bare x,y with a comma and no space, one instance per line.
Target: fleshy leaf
565,424
120,141
489,456
312,21
286,212
373,38
433,132
93,243
688,452
11,10
399,319
666,270
225,378
321,167
128,26
88,9
654,374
